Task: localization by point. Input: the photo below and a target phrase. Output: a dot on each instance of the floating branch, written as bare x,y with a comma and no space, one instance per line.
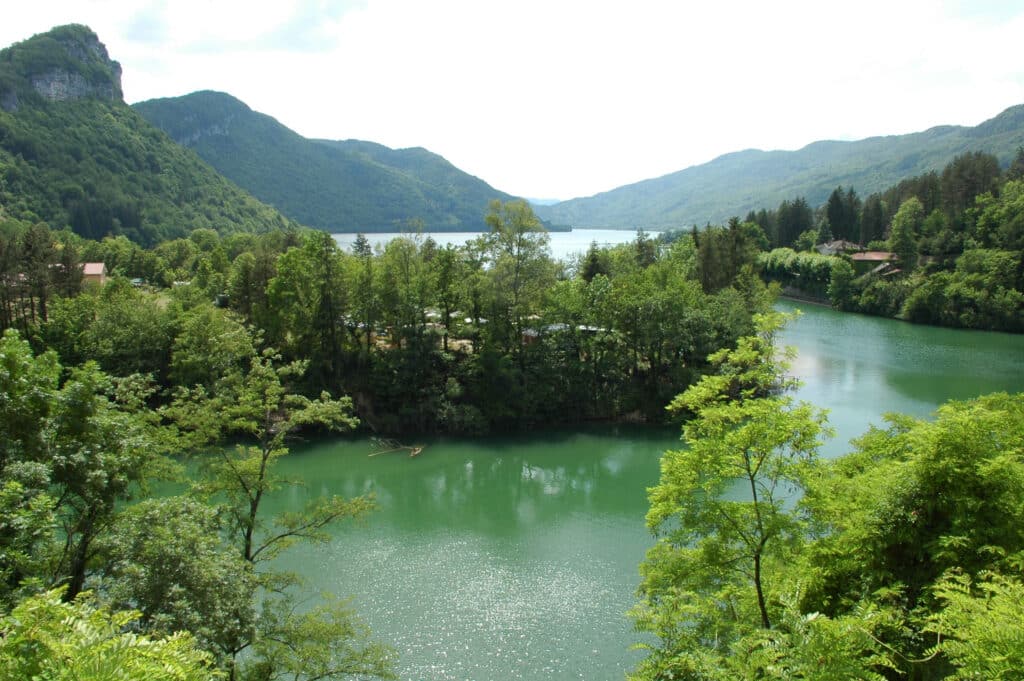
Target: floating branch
384,446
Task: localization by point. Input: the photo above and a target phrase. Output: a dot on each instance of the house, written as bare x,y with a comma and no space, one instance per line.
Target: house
869,260
837,246
94,272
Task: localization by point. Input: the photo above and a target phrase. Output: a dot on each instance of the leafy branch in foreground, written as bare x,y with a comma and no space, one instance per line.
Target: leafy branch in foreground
256,403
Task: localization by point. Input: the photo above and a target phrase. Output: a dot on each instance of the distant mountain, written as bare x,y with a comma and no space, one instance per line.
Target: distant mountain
74,154
340,186
736,183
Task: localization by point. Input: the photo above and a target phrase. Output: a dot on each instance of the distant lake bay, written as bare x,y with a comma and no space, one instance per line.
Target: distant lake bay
563,244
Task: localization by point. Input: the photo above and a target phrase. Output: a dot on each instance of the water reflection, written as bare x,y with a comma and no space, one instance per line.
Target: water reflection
861,367
502,558
516,558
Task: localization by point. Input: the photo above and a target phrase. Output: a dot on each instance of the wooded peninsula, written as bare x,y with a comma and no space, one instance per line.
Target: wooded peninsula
162,327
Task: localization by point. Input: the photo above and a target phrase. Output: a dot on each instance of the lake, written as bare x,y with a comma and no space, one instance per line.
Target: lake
563,244
516,558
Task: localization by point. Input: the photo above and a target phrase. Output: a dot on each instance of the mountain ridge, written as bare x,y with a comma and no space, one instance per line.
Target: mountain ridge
737,182
335,185
73,154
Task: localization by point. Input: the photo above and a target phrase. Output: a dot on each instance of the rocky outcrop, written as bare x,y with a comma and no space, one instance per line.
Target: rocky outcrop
191,138
60,86
64,64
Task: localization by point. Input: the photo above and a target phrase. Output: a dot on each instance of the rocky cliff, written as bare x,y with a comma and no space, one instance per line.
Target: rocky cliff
66,63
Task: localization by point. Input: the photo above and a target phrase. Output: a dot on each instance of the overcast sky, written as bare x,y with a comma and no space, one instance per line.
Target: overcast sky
566,98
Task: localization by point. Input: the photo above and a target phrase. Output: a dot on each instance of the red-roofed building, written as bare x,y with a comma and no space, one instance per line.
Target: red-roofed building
94,272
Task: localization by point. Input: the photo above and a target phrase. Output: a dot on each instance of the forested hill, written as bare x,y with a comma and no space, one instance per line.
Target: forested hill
345,186
73,154
734,184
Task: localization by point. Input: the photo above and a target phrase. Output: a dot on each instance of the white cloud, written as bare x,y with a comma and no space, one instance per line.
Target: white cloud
566,97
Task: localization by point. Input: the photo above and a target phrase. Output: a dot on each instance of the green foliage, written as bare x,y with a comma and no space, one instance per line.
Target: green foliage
843,214
910,503
86,444
723,253
722,506
806,241
979,625
840,285
905,231
809,273
814,646
210,344
257,403
1000,221
123,329
93,164
325,642
166,559
334,186
46,638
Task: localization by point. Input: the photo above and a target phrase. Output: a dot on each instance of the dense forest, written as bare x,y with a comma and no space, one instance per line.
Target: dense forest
217,331
336,186
942,248
494,335
73,154
245,338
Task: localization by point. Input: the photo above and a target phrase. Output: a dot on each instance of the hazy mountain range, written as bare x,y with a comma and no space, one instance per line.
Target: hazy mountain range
736,183
74,154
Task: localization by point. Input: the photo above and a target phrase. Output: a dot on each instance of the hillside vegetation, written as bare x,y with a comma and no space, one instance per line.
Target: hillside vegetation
338,186
73,154
736,183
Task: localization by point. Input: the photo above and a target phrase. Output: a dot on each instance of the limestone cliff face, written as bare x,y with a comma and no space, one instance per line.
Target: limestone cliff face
60,86
64,64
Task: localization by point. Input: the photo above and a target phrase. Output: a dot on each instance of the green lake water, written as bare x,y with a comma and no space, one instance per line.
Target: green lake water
516,558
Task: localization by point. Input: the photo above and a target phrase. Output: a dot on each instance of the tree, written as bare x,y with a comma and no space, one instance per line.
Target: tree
38,257
646,249
906,227
521,268
722,506
166,558
965,177
979,626
210,344
308,298
593,264
836,215
872,222
46,637
1016,169
86,444
1000,221
840,286
793,218
914,505
362,281
449,271
67,270
258,403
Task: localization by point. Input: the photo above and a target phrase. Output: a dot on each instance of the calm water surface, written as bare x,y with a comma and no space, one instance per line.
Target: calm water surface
563,244
516,558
